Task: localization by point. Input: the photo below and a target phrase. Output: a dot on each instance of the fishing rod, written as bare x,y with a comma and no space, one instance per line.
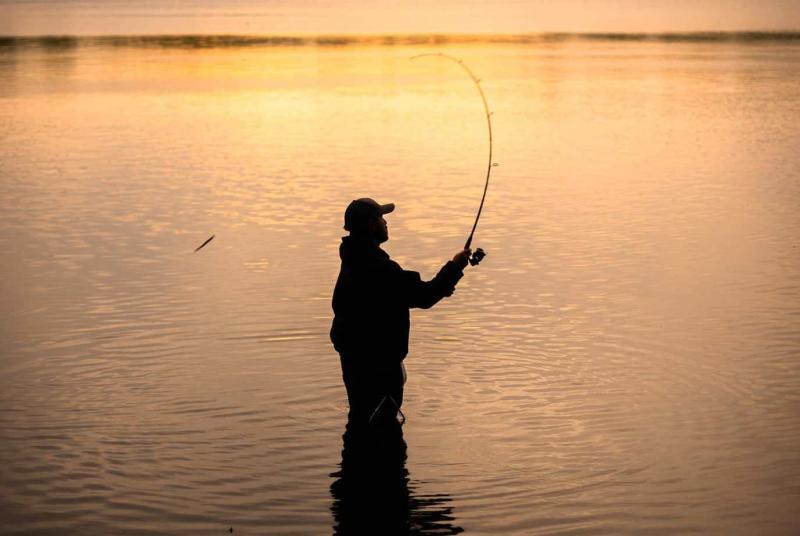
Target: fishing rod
479,254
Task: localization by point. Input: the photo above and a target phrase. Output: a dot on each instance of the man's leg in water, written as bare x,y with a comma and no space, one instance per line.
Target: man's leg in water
390,392
369,386
362,390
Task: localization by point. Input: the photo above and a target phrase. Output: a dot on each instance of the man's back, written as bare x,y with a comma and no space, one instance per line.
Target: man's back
370,313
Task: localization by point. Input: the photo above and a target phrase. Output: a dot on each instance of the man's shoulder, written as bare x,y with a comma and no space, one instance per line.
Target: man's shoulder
387,264
371,264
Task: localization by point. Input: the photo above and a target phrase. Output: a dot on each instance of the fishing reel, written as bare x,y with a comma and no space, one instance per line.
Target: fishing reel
477,257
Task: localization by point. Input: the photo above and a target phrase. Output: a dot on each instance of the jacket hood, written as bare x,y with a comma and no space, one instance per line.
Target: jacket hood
355,250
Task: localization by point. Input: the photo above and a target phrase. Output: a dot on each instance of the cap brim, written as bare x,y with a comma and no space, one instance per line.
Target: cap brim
387,208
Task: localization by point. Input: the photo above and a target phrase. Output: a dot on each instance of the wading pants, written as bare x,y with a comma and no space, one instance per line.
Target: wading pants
368,380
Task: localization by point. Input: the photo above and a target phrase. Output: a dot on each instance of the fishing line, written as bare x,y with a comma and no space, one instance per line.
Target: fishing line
479,253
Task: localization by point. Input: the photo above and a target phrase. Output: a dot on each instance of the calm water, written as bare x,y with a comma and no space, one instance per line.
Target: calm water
625,360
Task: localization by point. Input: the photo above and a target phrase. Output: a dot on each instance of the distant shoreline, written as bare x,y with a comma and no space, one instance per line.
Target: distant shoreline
236,40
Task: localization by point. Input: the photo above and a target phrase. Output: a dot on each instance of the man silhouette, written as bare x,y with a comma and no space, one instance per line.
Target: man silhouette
371,305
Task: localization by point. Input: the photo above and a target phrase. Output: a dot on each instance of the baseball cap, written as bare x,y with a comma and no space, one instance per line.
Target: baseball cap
361,210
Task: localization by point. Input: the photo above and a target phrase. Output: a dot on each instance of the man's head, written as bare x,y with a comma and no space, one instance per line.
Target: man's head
364,217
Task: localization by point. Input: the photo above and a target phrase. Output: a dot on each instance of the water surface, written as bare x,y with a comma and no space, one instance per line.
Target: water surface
625,360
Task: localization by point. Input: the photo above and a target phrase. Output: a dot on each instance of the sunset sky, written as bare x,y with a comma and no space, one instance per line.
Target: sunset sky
93,17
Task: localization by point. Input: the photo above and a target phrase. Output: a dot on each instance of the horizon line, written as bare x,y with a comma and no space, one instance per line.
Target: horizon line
200,40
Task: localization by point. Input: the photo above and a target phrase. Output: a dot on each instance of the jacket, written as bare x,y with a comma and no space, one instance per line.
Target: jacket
372,299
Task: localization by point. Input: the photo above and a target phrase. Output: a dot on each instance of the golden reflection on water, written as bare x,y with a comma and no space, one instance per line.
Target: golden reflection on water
622,361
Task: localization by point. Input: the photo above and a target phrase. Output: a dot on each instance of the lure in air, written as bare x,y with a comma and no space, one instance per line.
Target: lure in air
201,246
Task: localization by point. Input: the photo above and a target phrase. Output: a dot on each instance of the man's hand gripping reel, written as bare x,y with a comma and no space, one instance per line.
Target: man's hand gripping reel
477,257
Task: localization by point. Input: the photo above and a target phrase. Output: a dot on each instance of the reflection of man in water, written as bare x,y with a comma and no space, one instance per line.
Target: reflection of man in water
373,493
371,305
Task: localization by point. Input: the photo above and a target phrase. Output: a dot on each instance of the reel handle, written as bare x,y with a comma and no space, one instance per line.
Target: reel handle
477,257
